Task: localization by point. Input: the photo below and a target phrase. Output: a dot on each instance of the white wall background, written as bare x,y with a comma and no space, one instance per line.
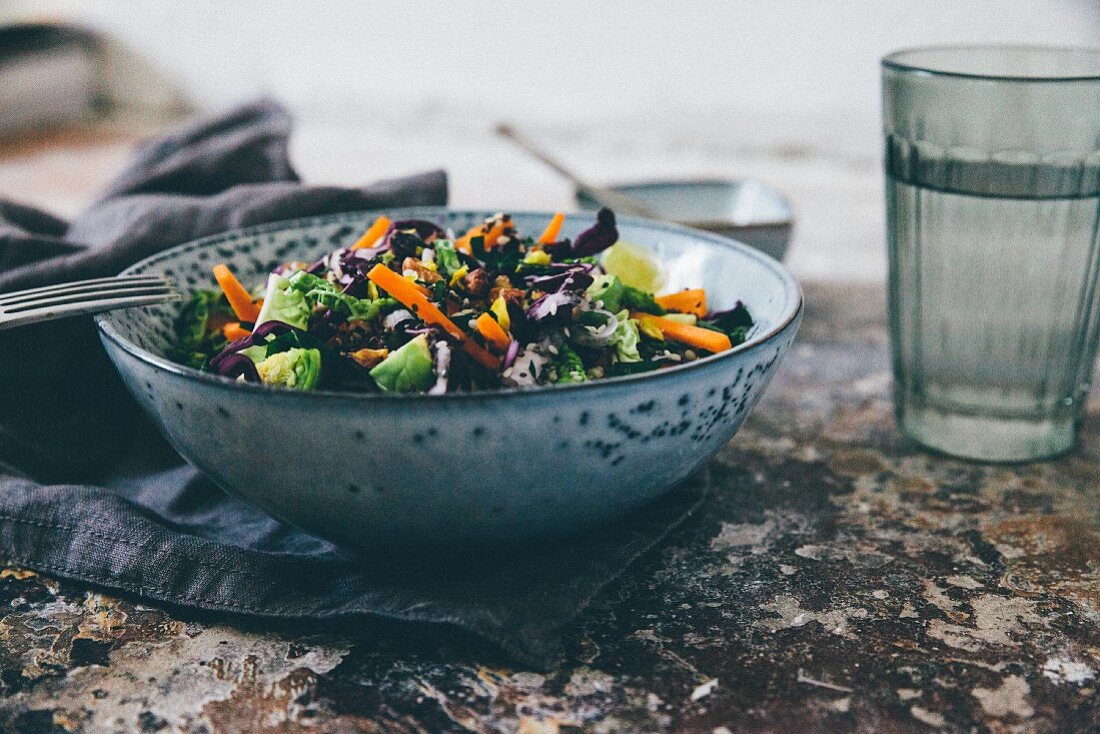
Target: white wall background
575,61
783,90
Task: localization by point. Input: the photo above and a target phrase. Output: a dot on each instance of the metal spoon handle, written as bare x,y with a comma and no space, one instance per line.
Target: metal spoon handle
622,203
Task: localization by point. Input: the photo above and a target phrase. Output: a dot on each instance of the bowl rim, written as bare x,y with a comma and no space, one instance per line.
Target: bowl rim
792,289
694,182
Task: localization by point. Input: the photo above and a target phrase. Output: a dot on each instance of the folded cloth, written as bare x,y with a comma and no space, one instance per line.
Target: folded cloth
89,491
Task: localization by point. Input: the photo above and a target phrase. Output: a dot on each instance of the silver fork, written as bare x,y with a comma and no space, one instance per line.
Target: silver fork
83,297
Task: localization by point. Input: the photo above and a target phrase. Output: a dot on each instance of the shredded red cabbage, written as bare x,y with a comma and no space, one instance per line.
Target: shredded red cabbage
258,336
510,355
425,230
597,238
576,278
235,366
557,306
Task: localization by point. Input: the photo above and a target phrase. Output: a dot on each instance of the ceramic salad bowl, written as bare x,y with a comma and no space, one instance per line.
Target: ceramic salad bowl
409,472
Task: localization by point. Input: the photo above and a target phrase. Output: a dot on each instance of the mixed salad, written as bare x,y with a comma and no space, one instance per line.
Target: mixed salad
413,308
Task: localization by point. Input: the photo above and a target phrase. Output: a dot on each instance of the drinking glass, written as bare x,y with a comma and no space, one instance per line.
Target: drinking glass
992,159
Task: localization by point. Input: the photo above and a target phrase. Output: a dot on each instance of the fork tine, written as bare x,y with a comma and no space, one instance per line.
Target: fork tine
80,286
49,313
64,298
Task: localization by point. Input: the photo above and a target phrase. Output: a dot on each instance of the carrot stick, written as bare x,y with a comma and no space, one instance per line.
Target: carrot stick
689,301
376,230
234,331
492,332
480,355
490,235
494,234
550,234
694,336
237,295
407,293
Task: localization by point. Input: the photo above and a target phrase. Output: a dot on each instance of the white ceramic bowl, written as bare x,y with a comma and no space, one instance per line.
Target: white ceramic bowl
746,210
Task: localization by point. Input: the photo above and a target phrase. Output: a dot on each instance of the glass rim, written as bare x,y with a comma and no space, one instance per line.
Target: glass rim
893,61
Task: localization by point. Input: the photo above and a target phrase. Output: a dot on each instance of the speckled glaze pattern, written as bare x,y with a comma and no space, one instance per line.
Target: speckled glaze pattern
408,472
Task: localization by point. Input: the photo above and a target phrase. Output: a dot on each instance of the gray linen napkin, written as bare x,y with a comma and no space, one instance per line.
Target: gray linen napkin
89,491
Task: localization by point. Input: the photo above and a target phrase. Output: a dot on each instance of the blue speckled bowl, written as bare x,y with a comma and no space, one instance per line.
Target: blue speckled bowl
415,472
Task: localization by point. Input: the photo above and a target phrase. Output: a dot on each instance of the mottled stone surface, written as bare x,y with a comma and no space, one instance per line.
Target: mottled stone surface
838,579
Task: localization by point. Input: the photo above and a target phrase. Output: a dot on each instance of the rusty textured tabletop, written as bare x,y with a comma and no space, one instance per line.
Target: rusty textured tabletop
838,578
